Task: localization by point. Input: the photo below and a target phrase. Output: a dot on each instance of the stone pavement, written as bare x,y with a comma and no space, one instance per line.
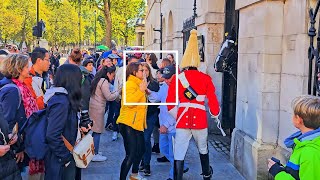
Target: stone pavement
114,150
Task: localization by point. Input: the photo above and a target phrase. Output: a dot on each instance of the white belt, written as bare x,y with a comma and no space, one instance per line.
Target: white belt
187,106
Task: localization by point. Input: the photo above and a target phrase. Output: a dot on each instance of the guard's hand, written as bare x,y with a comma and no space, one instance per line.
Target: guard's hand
4,149
19,157
270,163
163,130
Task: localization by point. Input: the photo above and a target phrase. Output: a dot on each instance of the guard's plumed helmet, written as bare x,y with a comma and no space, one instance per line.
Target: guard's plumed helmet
191,57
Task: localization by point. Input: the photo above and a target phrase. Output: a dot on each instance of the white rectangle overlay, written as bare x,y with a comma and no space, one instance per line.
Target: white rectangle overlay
150,51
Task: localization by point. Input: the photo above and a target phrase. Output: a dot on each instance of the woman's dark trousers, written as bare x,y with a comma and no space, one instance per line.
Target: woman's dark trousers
134,146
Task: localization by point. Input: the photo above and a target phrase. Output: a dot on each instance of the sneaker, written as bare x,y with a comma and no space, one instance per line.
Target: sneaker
163,159
155,148
136,177
109,127
186,170
147,171
141,167
99,158
114,135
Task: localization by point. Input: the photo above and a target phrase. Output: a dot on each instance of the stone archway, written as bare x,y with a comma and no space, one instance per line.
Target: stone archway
170,32
164,34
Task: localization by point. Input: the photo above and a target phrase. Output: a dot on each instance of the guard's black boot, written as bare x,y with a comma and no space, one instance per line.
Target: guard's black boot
178,170
206,168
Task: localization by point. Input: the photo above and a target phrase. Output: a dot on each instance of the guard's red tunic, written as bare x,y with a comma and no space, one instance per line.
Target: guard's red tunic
194,118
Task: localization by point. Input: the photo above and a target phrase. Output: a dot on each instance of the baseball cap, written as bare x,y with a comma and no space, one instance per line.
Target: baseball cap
113,56
168,71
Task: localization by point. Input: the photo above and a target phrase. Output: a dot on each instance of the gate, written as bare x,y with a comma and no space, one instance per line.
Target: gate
188,25
229,82
313,54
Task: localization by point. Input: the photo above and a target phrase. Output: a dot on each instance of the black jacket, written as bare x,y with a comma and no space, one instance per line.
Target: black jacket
9,169
62,120
9,100
85,88
153,86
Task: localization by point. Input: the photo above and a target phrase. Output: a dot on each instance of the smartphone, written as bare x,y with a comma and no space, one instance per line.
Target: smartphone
14,132
276,160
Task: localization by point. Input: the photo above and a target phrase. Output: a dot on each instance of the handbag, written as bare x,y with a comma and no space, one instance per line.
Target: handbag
83,151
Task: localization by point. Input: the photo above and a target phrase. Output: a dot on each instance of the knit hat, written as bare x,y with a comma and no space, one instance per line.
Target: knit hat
87,61
191,57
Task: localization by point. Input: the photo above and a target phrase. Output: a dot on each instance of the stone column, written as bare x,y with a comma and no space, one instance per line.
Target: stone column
258,92
210,24
271,72
139,36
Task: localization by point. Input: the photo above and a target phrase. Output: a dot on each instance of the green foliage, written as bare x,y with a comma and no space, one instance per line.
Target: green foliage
124,14
61,20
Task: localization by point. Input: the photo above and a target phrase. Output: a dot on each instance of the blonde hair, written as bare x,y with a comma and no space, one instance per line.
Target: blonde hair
191,57
308,108
12,66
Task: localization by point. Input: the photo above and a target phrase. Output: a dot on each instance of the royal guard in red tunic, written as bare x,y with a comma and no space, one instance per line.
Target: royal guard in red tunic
193,88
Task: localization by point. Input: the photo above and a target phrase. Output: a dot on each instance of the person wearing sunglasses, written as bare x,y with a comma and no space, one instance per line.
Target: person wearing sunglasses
12,48
132,120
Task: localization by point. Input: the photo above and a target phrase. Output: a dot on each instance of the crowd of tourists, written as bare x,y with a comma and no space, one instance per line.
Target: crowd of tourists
76,95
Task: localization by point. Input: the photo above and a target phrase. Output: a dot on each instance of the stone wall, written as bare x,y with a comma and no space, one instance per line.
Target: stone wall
172,36
210,24
272,70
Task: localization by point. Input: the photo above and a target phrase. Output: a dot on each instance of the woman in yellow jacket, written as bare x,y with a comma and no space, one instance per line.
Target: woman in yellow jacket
132,121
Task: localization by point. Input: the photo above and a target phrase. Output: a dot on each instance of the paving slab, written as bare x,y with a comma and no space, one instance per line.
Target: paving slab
114,151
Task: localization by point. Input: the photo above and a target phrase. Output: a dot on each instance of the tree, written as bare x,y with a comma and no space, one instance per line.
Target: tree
104,7
61,24
124,15
88,21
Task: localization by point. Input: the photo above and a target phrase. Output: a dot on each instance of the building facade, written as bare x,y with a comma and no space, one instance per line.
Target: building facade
272,67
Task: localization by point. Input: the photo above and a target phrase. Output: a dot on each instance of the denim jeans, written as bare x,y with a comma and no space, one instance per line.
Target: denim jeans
166,148
110,112
96,141
151,119
116,110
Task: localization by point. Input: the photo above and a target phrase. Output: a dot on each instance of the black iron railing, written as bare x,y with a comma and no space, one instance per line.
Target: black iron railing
313,54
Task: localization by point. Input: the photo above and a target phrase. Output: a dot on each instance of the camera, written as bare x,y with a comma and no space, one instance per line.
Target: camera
85,119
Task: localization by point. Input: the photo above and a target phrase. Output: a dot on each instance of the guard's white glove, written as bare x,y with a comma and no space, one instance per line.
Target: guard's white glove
216,118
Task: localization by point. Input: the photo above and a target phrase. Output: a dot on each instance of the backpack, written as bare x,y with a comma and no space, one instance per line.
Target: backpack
34,130
15,86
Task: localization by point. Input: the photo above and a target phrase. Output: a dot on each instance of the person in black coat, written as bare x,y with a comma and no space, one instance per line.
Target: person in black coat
63,103
152,117
15,69
9,169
